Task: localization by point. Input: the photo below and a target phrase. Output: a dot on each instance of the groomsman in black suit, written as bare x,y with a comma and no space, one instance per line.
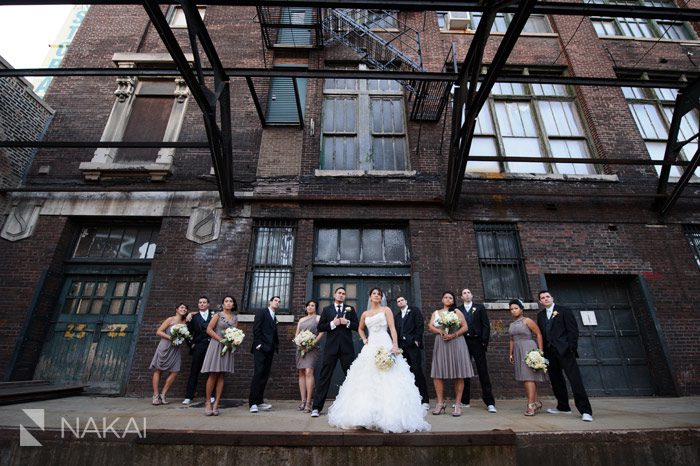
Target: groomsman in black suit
560,334
265,345
477,337
197,325
409,329
337,321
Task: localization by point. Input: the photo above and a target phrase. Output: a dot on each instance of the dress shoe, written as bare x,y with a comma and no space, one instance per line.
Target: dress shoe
586,417
254,409
426,406
212,399
491,409
557,411
314,413
265,406
186,401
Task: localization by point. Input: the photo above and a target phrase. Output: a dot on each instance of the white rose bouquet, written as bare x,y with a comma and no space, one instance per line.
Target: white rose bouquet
178,334
448,320
305,341
536,361
383,359
233,337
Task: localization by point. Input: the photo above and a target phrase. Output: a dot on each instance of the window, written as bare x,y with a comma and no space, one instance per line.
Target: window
364,125
653,111
176,16
145,110
371,19
116,243
282,103
530,120
107,294
271,261
692,233
366,245
461,20
639,27
501,261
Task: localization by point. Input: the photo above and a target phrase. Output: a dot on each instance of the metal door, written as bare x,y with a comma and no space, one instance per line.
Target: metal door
92,337
295,36
612,356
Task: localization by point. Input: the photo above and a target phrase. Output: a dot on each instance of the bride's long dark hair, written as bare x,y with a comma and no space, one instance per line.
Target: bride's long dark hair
453,306
369,297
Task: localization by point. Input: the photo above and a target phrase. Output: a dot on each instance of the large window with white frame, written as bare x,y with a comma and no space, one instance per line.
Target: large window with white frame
176,16
530,120
652,109
364,125
641,27
462,20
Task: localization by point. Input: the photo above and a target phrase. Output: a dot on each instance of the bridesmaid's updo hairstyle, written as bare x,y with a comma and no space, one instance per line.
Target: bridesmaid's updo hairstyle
235,304
518,303
309,302
454,300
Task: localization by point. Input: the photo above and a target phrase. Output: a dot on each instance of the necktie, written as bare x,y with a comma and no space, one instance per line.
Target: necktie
340,312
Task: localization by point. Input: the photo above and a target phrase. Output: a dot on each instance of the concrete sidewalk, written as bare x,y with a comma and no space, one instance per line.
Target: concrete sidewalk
610,414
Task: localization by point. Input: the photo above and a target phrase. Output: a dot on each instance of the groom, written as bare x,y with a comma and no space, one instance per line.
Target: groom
560,335
337,321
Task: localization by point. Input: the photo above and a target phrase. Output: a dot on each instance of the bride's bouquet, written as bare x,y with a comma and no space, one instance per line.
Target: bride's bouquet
305,341
536,361
179,334
448,320
233,337
383,359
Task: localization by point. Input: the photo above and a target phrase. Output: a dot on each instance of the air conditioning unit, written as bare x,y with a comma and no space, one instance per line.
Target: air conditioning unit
457,20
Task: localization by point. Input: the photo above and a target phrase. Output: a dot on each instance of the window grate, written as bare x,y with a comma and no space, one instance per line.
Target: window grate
692,233
116,243
501,261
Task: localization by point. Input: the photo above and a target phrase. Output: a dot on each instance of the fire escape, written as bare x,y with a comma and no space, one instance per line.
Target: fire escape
381,41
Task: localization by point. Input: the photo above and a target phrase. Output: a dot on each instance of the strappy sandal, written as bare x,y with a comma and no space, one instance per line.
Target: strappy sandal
531,409
302,406
307,408
439,409
156,400
207,409
457,411
163,401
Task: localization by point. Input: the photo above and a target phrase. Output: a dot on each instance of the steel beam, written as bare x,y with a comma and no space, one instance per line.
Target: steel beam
547,8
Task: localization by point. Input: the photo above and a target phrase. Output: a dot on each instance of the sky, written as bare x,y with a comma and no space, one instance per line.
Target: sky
27,31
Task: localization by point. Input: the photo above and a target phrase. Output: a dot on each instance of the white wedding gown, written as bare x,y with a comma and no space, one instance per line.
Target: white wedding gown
387,401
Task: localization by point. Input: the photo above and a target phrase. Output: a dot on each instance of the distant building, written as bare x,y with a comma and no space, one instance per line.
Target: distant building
115,238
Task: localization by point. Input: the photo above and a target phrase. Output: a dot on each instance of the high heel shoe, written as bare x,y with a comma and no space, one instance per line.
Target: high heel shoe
307,408
539,406
439,409
156,400
531,409
207,409
457,411
302,406
163,401
215,410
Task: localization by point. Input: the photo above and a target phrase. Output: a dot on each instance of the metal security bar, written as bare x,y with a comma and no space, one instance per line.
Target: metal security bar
501,261
692,233
271,262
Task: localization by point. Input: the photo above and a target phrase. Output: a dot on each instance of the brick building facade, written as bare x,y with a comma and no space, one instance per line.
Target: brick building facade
82,301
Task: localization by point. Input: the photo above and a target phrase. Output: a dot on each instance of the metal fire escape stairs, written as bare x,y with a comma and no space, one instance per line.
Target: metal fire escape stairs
385,43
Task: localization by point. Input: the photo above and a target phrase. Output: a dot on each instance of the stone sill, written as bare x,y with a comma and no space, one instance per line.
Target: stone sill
540,177
653,39
356,173
471,32
283,319
155,171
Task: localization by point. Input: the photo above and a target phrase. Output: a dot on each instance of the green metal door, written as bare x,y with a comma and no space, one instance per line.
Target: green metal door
357,295
92,337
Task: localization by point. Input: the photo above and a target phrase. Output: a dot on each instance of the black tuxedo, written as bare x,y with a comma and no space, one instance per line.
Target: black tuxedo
265,345
338,346
477,338
560,335
198,349
409,331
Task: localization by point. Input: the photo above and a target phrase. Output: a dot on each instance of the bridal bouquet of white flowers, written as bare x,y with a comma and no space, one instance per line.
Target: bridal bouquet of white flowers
448,320
305,341
384,360
179,334
536,361
233,337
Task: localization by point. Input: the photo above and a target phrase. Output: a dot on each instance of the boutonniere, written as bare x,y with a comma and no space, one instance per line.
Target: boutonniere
554,314
347,309
474,309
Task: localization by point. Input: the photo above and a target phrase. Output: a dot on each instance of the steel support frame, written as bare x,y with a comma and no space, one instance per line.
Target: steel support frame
687,100
471,99
208,100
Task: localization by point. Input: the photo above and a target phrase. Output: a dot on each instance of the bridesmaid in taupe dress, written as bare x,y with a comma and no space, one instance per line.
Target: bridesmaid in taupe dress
307,363
215,364
450,356
167,357
521,331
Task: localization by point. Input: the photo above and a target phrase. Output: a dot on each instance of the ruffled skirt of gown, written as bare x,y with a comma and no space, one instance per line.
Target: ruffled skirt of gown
387,401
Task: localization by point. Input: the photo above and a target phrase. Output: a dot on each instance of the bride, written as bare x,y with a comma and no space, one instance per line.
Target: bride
384,400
